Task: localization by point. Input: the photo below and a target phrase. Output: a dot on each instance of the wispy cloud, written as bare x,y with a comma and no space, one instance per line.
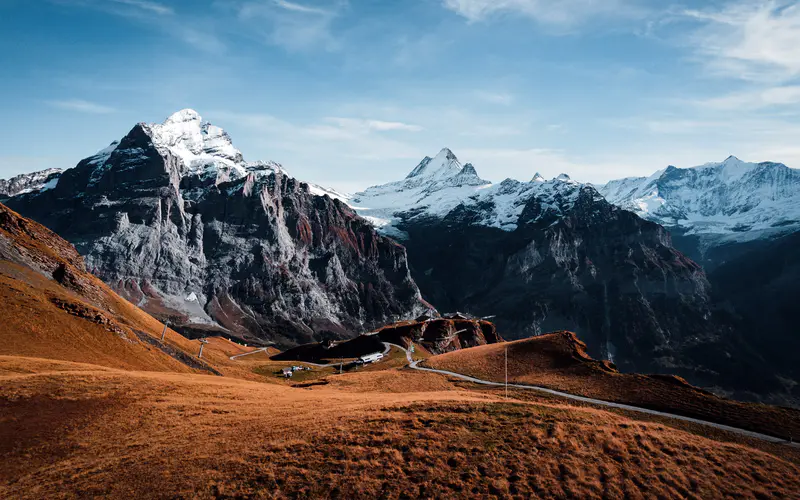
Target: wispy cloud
501,98
771,97
154,7
296,7
292,25
376,125
81,106
343,137
191,29
750,40
561,12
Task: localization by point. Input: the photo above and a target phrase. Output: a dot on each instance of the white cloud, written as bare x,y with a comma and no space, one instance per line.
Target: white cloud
754,99
294,26
501,98
81,106
343,153
751,40
154,7
554,12
300,8
365,125
193,30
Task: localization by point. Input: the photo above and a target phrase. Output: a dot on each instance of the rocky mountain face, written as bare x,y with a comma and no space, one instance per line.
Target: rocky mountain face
760,290
551,255
176,220
27,183
741,221
718,211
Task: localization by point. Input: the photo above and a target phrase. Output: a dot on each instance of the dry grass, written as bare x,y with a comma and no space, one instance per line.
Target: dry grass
557,361
74,430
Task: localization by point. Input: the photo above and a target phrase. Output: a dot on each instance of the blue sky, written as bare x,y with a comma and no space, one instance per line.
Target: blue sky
351,93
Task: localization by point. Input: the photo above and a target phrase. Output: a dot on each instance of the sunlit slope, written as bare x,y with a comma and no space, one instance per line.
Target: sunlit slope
123,434
51,307
559,361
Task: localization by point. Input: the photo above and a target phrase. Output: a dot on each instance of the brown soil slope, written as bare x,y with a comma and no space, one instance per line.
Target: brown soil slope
52,308
559,361
72,430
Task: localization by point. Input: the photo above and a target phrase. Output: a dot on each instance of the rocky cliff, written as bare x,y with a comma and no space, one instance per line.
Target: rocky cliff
176,221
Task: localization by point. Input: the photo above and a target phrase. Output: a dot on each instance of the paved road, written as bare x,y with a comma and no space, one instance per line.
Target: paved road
600,402
414,365
263,349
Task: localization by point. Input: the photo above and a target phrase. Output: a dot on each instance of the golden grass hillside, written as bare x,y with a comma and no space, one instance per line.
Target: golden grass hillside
559,361
72,430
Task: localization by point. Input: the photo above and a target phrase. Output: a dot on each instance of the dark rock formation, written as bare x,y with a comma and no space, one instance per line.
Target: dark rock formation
441,335
760,290
590,267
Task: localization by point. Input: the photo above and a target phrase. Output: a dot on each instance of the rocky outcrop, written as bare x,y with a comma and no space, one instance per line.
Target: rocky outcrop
175,220
441,335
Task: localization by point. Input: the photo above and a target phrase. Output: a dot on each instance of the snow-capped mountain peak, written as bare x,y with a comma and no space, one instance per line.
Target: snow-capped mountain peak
438,185
732,197
443,165
198,144
184,116
199,150
537,177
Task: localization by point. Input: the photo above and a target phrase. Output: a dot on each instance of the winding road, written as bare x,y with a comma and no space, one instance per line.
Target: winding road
414,365
263,349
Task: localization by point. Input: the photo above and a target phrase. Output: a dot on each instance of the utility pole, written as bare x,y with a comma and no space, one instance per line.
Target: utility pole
164,333
506,372
203,343
341,364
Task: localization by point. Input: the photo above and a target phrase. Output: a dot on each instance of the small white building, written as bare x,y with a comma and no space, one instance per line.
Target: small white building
287,372
370,358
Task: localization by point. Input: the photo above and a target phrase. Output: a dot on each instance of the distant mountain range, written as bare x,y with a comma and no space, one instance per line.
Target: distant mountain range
175,219
548,254
716,209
